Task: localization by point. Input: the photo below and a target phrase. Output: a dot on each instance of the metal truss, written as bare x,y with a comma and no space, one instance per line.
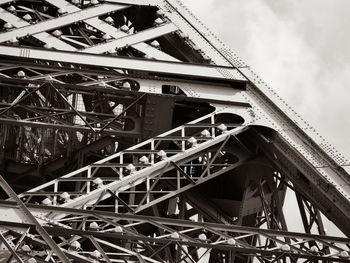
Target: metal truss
120,238
130,133
156,175
161,172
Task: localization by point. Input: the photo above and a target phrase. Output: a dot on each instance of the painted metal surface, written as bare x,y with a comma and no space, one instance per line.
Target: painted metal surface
81,87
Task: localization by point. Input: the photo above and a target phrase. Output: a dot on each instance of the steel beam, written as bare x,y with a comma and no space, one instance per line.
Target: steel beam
61,21
8,246
143,219
112,31
134,2
43,36
196,71
146,172
307,179
28,215
132,39
223,231
168,175
38,124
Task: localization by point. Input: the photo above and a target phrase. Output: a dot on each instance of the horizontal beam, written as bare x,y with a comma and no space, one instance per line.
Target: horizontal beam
223,246
82,129
41,209
197,71
57,71
125,94
134,2
61,21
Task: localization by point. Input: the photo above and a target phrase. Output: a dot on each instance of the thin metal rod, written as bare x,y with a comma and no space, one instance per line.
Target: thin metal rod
120,114
183,173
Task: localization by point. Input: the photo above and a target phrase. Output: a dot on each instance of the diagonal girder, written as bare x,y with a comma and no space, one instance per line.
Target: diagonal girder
61,21
306,179
118,34
132,39
187,174
131,174
42,36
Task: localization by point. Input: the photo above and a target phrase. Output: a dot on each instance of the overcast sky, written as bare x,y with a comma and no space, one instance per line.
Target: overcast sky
300,48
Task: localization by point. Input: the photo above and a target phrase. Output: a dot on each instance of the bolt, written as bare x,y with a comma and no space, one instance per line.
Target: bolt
21,74
8,25
27,17
124,28
57,33
131,168
285,247
231,241
26,248
202,236
158,21
162,154
65,196
118,229
96,254
93,225
109,20
106,36
61,11
344,254
155,44
75,245
46,201
222,127
192,141
205,133
98,182
144,160
175,235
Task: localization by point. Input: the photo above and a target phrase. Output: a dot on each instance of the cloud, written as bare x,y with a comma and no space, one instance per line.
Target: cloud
299,48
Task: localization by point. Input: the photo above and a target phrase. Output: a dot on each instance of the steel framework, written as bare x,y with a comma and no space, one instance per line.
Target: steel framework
130,133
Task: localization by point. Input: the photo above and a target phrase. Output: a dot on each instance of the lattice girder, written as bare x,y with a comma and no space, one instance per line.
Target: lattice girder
135,135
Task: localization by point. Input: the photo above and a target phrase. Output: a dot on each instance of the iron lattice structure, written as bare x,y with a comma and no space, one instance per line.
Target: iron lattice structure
130,133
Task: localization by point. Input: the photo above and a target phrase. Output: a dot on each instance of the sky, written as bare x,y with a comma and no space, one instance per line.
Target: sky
300,48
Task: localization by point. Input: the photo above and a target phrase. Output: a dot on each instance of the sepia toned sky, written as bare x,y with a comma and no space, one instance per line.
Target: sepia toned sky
300,48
